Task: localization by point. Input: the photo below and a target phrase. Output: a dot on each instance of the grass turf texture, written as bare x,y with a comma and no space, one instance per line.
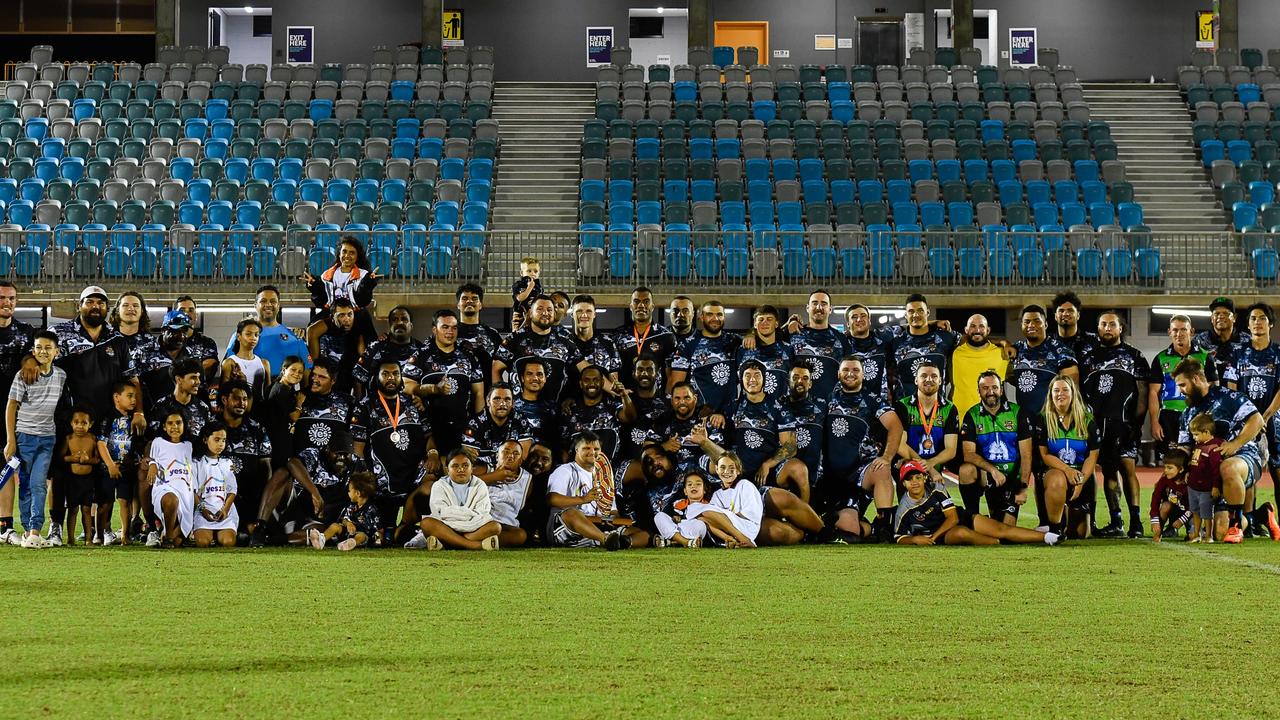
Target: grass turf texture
1093,629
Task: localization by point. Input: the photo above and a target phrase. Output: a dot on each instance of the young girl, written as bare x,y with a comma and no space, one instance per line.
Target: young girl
674,528
80,452
358,525
216,518
461,510
1169,506
243,363
282,408
736,510
927,516
169,474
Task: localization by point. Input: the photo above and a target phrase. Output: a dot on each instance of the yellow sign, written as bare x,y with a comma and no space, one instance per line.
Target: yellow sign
1204,29
451,27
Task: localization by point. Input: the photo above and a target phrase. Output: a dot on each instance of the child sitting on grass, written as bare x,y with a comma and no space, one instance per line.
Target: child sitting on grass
216,519
169,474
1169,505
735,511
461,510
80,452
1204,480
358,524
673,527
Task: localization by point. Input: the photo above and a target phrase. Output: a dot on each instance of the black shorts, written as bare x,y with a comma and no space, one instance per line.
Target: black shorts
1087,499
842,491
1002,500
1170,423
964,518
299,508
80,489
1117,440
126,486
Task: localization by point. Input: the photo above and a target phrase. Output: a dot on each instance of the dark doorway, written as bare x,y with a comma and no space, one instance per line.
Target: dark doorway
880,41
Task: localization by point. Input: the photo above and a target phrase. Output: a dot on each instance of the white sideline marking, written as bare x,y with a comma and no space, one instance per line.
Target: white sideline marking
1201,552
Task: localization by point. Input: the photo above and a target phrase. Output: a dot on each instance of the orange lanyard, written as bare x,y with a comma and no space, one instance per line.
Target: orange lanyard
640,339
927,420
395,419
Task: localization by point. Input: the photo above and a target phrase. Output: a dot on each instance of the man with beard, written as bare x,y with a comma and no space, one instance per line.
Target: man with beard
1115,374
312,486
1255,372
818,345
593,348
598,412
448,380
971,358
773,356
391,435
94,356
1164,402
249,450
680,313
326,411
15,343
493,426
648,485
642,335
650,407
398,346
338,341
537,413
473,336
185,399
810,411
931,425
708,359
861,435
1222,339
1037,361
276,342
684,431
538,339
196,344
1066,308
1236,421
995,437
918,345
873,347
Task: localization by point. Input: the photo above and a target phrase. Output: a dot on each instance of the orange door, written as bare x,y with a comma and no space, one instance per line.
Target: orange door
744,34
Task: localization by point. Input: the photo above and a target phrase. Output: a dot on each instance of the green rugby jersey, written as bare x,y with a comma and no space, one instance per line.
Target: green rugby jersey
1162,374
996,436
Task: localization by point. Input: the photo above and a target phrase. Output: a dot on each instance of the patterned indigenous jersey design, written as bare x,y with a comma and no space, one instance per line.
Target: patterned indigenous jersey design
1081,345
1256,373
601,419
776,358
313,463
1032,371
660,342
1230,411
649,413
1161,373
821,351
811,417
943,421
15,341
910,351
1073,445
92,367
195,415
116,431
1224,353
363,519
876,352
323,418
334,344
482,342
1109,381
996,436
394,452
853,434
689,455
599,350
712,365
555,350
431,365
151,365
540,416
246,445
923,516
381,351
484,436
752,429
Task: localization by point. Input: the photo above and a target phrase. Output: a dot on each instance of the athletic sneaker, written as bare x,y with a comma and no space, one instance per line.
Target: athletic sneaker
54,538
10,537
1234,535
153,539
34,541
433,543
417,542
1052,539
1193,538
660,542
489,543
316,538
80,537
1114,530
258,538
617,540
110,538
1272,525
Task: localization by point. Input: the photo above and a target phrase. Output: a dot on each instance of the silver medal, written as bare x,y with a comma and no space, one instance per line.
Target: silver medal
395,437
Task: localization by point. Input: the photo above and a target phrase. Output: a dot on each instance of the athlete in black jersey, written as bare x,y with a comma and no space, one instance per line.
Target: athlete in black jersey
1223,338
1066,308
709,359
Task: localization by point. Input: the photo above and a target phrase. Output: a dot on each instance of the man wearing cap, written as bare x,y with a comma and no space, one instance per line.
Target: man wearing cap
95,356
276,342
1222,339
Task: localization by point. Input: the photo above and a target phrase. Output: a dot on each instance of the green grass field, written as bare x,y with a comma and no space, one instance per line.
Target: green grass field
1090,630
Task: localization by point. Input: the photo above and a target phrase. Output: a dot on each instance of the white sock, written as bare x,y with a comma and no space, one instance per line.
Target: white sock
1051,538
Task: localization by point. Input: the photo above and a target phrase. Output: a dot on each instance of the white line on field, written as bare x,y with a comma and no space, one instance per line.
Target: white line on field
1201,552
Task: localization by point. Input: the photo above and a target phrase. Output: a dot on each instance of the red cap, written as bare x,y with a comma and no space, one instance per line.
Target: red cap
912,466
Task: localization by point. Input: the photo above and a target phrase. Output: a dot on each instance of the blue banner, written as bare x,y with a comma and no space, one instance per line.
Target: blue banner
1022,46
301,44
599,46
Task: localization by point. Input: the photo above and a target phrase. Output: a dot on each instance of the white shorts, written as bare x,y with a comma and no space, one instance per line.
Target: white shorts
688,529
746,527
186,505
231,522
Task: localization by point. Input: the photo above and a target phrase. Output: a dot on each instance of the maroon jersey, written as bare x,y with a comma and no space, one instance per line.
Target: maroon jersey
1171,491
1202,470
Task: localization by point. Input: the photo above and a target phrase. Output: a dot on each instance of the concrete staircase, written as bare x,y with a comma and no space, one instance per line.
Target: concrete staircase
1151,126
537,183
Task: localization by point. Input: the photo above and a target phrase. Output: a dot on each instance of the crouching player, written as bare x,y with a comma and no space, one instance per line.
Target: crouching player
927,516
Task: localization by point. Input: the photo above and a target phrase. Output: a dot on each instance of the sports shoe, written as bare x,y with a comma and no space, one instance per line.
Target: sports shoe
417,542
54,538
1114,530
33,542
1052,539
617,540
348,544
694,543
1272,525
433,543
660,542
489,543
80,537
316,538
153,539
110,538
258,538
10,537
1234,535
1193,538
1135,530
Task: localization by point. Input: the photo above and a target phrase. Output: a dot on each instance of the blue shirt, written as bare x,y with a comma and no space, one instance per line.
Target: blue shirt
853,433
1033,370
821,351
274,345
712,367
1230,411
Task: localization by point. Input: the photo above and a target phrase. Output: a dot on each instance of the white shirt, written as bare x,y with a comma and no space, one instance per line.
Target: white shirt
173,461
746,504
573,480
214,482
508,498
